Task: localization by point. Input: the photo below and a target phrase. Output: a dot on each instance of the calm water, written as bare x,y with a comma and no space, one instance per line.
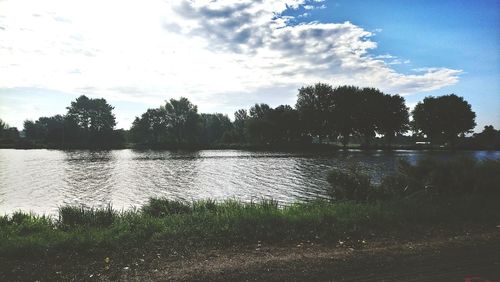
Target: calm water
42,180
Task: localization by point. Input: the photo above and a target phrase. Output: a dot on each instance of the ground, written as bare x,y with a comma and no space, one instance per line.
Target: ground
440,256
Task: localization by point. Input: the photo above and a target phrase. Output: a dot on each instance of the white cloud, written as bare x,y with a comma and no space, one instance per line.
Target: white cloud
206,50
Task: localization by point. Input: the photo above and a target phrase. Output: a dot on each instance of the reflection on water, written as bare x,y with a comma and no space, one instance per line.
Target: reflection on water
42,180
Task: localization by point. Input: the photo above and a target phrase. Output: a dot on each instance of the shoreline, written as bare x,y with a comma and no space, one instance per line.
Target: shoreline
249,147
238,242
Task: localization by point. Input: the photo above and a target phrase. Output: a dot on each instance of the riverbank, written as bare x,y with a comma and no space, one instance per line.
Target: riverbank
436,255
177,230
255,147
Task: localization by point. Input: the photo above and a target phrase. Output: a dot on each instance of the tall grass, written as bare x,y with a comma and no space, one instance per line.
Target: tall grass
70,216
172,223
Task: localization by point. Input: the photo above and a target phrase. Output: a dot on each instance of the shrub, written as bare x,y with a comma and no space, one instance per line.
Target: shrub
351,184
428,178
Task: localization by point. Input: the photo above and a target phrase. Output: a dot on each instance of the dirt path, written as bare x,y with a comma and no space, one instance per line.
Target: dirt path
448,257
444,259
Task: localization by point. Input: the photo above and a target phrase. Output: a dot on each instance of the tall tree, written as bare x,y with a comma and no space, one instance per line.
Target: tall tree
443,118
183,121
315,106
8,135
240,119
150,128
93,117
393,117
370,102
345,113
286,124
214,126
259,126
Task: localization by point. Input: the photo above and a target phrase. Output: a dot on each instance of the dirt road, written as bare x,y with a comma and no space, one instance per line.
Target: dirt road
451,257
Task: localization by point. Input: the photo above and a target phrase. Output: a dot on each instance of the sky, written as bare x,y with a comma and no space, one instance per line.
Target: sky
227,55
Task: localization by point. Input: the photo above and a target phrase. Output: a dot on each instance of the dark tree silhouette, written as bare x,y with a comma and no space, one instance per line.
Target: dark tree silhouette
345,114
393,118
489,138
8,135
368,112
214,128
183,121
315,107
259,126
3,126
286,124
94,118
443,118
150,128
240,119
88,123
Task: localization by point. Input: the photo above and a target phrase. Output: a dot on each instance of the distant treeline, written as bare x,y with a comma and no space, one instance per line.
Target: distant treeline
323,114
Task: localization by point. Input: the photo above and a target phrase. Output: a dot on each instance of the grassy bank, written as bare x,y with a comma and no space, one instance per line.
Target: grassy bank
206,223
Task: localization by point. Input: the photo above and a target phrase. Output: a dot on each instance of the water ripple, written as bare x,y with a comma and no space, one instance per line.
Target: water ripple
42,180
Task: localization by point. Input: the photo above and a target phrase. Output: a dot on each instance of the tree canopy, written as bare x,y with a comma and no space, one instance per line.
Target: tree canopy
323,113
443,118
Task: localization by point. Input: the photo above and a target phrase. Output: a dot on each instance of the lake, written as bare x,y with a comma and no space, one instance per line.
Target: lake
43,180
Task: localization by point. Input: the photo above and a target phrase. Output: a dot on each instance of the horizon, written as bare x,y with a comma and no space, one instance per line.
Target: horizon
226,56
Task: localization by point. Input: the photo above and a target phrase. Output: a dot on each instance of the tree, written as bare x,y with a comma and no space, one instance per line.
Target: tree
240,119
214,126
315,106
443,118
8,135
258,126
345,111
3,126
489,138
150,128
182,119
93,117
393,117
367,114
286,124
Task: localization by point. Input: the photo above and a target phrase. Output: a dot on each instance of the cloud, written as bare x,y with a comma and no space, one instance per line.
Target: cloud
209,51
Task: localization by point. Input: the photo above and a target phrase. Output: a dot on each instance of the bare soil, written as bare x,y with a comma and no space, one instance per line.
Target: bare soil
441,257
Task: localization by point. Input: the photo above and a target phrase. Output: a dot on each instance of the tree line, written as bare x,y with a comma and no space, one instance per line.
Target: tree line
322,114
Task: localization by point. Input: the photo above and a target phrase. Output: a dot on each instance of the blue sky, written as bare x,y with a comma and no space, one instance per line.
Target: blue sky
226,55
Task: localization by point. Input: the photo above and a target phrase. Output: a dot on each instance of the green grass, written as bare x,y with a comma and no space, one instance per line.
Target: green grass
173,223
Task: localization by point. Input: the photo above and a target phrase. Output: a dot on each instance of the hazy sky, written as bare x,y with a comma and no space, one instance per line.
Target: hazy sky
226,55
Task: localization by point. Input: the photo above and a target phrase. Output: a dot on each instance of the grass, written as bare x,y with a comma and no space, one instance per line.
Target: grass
175,223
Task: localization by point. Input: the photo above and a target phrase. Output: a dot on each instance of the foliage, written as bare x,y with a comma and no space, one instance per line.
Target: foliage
489,138
351,184
393,118
176,122
164,207
428,178
88,123
443,118
70,216
314,105
230,222
182,119
8,135
215,128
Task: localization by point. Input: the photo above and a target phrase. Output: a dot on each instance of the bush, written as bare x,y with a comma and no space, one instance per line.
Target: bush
429,178
351,184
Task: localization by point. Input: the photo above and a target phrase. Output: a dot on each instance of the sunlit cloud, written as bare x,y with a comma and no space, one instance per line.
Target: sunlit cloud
221,54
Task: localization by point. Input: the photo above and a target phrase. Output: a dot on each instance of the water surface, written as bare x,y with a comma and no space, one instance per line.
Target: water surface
42,180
